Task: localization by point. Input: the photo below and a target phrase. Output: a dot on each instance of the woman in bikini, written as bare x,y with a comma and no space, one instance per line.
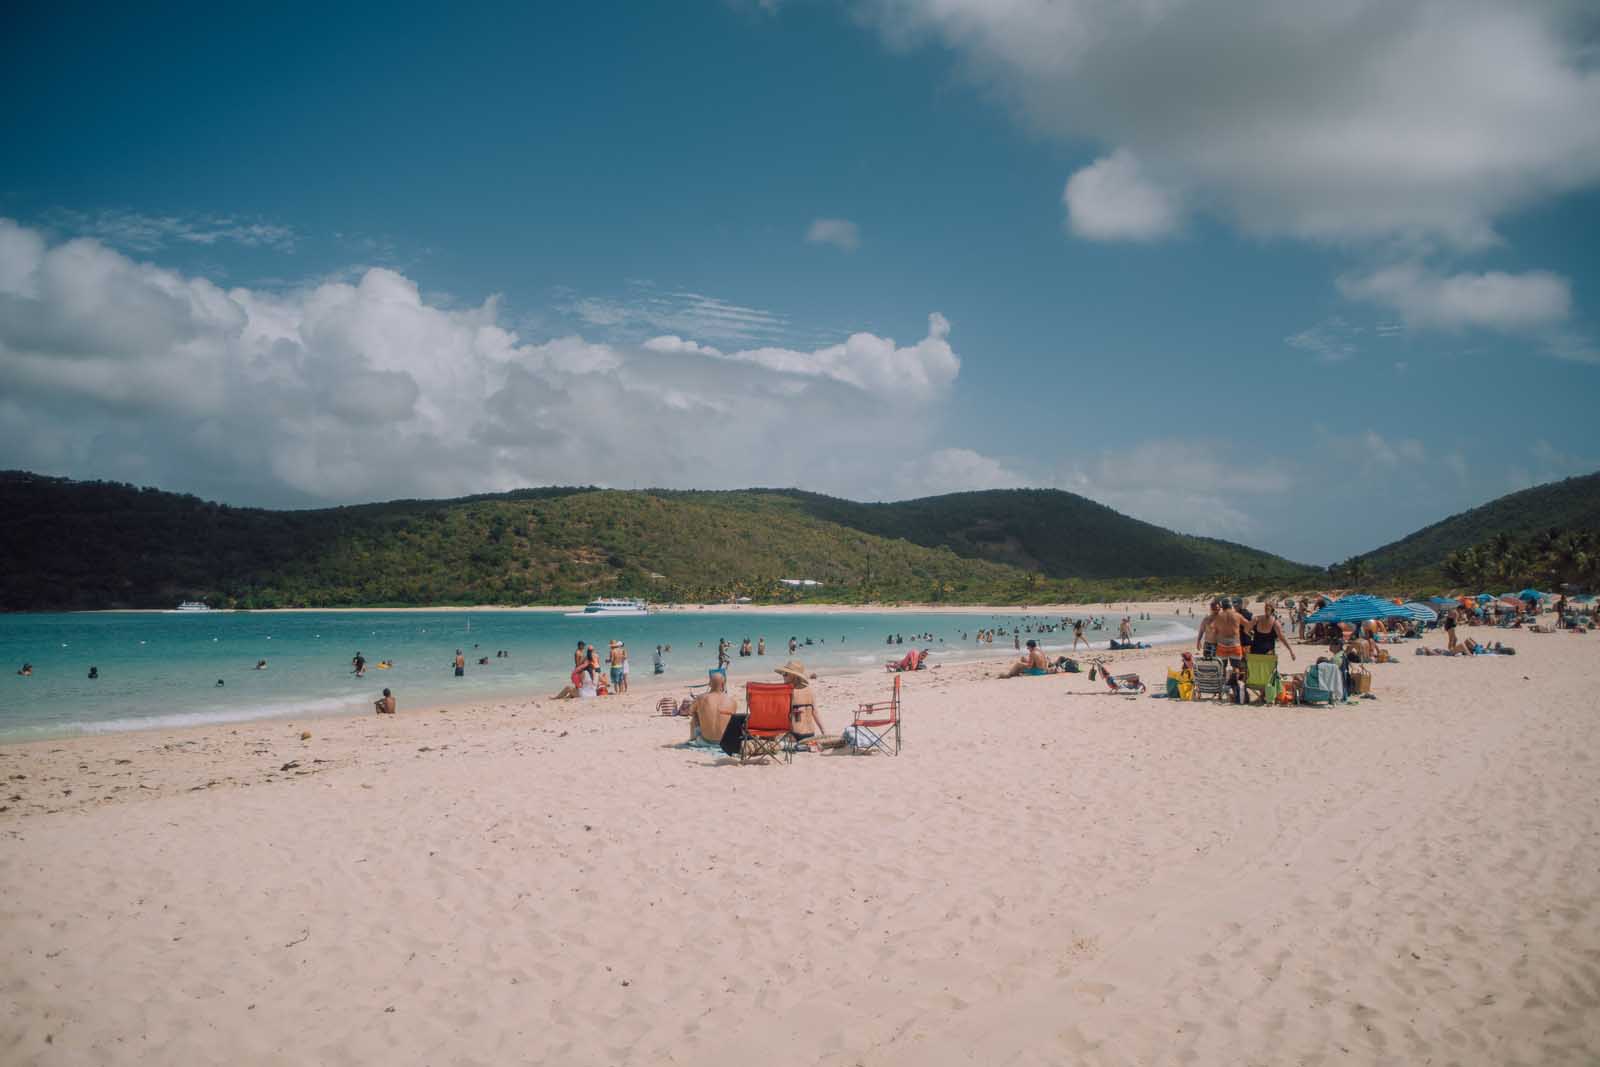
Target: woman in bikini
803,717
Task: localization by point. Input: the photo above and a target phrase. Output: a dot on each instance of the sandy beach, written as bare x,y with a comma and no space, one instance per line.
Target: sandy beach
1046,875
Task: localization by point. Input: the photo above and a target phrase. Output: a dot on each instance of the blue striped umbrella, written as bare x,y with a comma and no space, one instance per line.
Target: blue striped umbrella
1358,607
1419,612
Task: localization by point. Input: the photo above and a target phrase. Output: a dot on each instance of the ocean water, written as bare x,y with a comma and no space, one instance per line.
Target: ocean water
162,668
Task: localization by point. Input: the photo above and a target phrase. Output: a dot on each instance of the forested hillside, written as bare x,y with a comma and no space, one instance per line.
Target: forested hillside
73,544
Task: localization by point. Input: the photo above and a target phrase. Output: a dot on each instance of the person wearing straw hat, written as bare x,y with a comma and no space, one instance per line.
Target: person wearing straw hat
803,718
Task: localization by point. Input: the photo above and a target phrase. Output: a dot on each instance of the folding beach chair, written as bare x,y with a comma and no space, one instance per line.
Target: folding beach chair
877,722
1323,685
1210,679
1261,673
768,731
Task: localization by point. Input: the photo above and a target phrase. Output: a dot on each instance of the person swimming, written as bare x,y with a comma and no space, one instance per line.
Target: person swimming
94,672
261,664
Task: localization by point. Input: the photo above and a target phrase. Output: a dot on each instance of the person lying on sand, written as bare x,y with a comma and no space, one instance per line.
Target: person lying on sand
711,710
1035,662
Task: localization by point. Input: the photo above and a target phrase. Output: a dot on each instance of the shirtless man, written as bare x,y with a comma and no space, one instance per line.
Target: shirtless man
709,714
618,655
1034,663
386,704
460,664
1224,629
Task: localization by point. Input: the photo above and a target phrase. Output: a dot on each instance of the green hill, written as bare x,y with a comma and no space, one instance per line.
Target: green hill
1059,534
1548,535
73,544
1569,505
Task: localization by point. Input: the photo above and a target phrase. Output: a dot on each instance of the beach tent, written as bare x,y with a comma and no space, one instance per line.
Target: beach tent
1419,612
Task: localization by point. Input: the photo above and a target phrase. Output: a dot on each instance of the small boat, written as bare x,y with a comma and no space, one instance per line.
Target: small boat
610,607
193,605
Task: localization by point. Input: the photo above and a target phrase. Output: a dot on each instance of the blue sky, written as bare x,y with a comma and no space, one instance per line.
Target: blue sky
1306,276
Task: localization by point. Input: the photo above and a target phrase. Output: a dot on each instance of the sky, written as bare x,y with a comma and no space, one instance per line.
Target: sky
1303,275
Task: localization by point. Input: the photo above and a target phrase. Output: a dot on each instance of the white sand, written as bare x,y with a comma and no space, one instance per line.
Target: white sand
1041,878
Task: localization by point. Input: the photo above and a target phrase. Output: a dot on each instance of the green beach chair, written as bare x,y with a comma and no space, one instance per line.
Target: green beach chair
1261,674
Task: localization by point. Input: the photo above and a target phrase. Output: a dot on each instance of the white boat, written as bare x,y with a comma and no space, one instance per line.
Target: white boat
610,607
193,605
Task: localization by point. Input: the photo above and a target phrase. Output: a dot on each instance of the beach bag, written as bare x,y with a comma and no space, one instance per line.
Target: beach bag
1360,681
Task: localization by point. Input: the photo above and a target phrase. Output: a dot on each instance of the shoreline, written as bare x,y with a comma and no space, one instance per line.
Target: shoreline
809,608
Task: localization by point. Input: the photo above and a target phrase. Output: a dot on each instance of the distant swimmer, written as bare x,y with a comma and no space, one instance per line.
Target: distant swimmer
385,705
460,664
94,672
359,662
221,682
261,664
25,670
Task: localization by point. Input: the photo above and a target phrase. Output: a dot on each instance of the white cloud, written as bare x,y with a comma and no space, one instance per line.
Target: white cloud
686,314
951,470
674,343
1195,486
1331,340
872,363
1112,199
1493,300
140,232
1384,453
840,233
1336,121
365,389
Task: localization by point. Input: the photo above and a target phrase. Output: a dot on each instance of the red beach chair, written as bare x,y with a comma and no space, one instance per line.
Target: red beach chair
768,732
878,722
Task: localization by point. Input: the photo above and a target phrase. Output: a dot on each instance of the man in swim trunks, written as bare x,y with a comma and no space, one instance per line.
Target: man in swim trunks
709,714
617,655
461,664
1224,630
1034,663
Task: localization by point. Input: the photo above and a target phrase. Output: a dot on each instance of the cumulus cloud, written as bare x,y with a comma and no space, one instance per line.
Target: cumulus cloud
366,389
1494,300
871,363
951,470
840,233
1112,199
1336,121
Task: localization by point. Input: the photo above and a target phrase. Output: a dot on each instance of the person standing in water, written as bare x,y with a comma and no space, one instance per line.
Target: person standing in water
761,647
359,662
460,664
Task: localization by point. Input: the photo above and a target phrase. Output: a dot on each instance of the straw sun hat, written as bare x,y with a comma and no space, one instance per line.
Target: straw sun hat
793,668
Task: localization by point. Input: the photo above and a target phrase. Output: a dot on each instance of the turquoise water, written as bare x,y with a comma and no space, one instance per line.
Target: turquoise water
161,669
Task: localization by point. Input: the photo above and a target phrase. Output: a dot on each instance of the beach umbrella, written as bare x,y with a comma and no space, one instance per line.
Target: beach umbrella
1419,612
1485,597
1531,594
1442,601
1357,608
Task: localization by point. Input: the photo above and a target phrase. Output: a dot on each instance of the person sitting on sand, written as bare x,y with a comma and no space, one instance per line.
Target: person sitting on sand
911,661
1035,662
385,704
711,710
803,718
